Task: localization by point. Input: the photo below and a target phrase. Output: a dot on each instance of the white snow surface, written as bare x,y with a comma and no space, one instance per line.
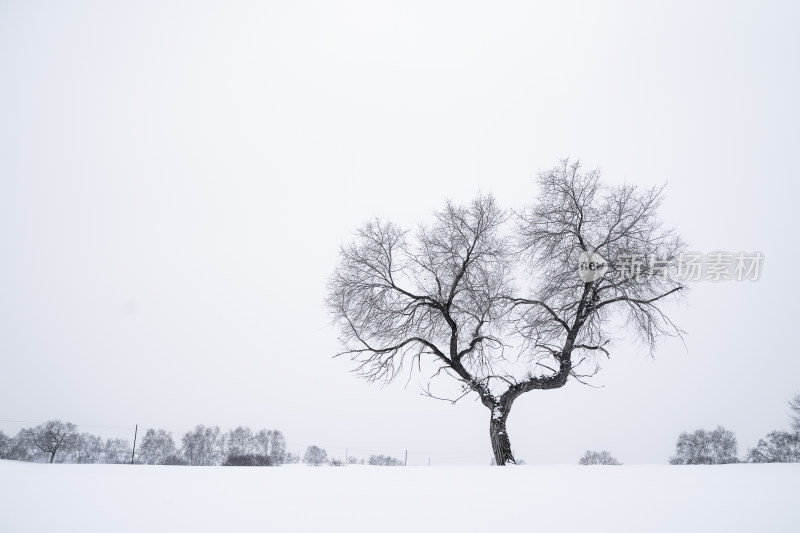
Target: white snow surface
646,498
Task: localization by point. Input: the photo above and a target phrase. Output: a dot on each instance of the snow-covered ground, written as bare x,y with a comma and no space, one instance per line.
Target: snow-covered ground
102,498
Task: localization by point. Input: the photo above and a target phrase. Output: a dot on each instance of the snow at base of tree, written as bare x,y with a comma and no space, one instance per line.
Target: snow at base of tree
654,498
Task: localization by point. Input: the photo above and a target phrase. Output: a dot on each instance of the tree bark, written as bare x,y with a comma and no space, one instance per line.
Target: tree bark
501,445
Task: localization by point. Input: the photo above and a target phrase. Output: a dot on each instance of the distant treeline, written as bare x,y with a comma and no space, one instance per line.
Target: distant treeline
719,446
61,442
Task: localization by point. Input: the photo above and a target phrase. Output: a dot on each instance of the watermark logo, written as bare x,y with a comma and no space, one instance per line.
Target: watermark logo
719,266
591,266
689,266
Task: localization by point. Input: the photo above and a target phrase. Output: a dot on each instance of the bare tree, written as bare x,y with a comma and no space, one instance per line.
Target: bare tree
156,446
794,405
117,451
272,443
705,448
19,447
315,456
204,446
241,441
503,315
598,458
53,436
776,447
86,449
6,445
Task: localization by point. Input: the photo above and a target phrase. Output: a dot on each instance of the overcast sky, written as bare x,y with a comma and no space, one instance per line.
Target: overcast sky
176,179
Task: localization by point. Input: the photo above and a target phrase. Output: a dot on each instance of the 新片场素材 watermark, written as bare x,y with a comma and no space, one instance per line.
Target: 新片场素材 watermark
688,266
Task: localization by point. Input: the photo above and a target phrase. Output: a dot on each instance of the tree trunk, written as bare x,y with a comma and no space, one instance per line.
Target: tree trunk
501,445
52,456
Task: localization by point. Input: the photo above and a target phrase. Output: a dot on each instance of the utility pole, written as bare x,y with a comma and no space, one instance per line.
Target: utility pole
405,463
135,433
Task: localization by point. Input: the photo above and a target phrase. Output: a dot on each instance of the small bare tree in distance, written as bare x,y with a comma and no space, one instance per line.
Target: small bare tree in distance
54,436
495,300
598,458
315,456
705,448
794,405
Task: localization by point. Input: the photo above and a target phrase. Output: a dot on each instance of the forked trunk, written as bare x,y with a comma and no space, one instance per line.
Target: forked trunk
501,445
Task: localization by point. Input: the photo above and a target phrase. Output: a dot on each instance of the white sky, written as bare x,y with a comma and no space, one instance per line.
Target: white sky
176,178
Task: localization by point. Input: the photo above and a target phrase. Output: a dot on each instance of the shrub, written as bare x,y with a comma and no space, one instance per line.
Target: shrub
598,458
384,460
248,459
175,460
